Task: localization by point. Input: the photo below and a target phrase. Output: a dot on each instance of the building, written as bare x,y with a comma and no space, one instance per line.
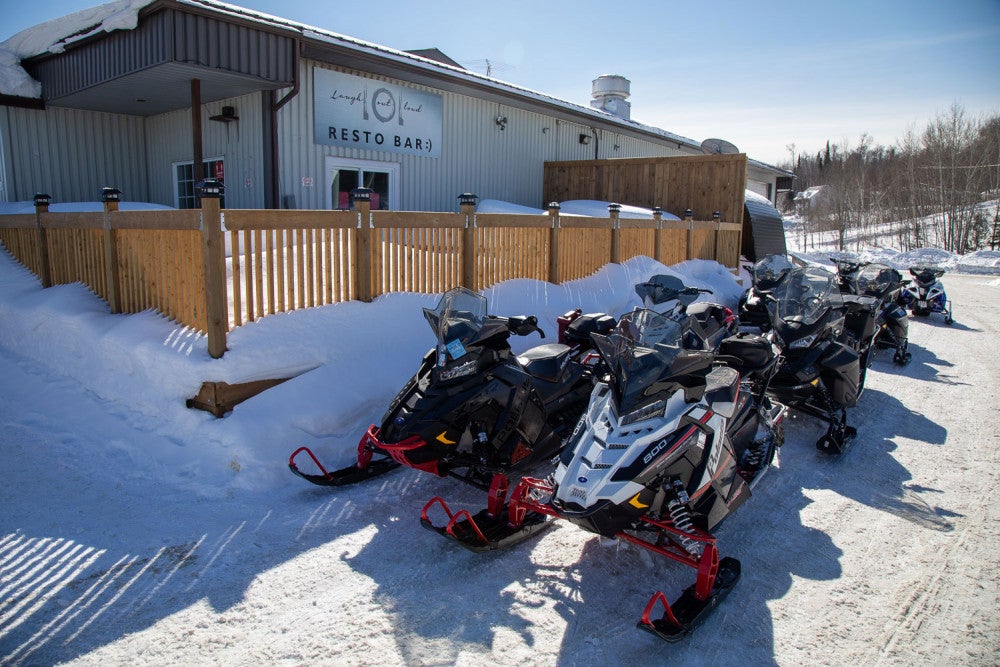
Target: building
149,97
811,200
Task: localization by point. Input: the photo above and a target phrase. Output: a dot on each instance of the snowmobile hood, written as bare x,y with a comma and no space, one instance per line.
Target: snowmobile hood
608,458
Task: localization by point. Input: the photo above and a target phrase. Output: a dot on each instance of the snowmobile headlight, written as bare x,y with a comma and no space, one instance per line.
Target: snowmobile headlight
468,368
650,411
803,342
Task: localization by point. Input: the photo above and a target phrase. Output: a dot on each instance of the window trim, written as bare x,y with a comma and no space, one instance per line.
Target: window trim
179,163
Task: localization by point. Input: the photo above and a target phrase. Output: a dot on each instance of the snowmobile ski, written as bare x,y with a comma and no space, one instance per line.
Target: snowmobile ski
364,469
484,531
690,610
837,442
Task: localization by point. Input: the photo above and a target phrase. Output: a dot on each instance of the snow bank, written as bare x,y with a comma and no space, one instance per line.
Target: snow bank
346,361
17,207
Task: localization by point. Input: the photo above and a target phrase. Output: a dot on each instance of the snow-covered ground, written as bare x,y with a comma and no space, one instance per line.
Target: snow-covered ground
137,531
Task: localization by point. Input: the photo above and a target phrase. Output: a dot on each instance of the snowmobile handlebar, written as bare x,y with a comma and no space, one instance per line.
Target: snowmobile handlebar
524,325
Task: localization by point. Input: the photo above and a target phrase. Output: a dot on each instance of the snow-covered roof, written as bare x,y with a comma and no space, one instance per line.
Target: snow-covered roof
809,192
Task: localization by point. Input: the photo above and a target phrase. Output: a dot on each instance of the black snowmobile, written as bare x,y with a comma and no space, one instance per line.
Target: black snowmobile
767,274
884,283
670,296
925,294
671,443
823,342
474,410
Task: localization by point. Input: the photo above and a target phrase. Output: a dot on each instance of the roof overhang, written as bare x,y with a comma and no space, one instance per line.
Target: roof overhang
149,70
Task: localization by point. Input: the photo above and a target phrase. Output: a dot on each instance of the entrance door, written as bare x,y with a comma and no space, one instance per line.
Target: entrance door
344,175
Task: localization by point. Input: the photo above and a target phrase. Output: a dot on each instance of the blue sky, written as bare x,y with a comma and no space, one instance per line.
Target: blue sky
761,75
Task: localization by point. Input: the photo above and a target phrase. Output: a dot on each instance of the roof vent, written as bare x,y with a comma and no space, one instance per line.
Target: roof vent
610,93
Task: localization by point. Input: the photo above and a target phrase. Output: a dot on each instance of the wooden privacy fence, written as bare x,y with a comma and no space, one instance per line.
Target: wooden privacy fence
282,260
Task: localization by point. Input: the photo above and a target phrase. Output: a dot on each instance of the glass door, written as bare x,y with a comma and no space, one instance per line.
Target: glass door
344,175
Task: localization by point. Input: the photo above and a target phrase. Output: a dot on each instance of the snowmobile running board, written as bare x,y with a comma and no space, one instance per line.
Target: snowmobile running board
690,610
344,476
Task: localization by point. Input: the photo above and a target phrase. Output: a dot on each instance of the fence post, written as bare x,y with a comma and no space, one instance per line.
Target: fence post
717,219
554,243
658,234
616,231
467,203
44,272
689,219
110,198
214,254
362,203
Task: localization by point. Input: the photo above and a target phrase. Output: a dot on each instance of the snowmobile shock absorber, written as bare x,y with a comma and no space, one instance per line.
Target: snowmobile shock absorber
680,515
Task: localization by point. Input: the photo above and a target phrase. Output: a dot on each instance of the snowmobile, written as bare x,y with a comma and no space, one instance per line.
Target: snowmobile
474,410
669,295
767,274
822,360
925,294
670,445
883,283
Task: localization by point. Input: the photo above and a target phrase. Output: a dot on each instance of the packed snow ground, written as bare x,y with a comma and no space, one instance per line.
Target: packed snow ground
137,531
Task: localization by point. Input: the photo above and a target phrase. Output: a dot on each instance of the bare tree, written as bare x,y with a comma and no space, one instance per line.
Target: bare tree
927,189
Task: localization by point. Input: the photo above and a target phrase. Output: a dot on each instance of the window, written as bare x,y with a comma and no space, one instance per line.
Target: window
184,182
344,175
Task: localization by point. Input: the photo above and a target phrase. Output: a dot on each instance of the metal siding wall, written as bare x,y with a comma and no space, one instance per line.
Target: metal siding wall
118,53
239,143
71,154
476,155
213,43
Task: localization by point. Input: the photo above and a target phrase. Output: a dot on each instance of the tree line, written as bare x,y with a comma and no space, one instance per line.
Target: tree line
937,188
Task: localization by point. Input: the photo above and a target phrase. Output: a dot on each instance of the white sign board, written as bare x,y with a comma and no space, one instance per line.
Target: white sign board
355,112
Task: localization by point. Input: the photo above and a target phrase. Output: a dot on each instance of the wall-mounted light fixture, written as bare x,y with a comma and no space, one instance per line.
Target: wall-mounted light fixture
584,139
501,121
228,115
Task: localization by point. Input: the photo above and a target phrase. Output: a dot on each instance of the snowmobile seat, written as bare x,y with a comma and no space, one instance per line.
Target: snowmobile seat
750,353
723,384
545,362
578,332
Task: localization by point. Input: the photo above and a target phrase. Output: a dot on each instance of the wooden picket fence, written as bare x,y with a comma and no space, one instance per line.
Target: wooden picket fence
282,260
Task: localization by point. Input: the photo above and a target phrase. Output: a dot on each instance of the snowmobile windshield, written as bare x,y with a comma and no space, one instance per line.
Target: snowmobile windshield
926,274
768,272
878,280
646,356
663,288
457,320
803,296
